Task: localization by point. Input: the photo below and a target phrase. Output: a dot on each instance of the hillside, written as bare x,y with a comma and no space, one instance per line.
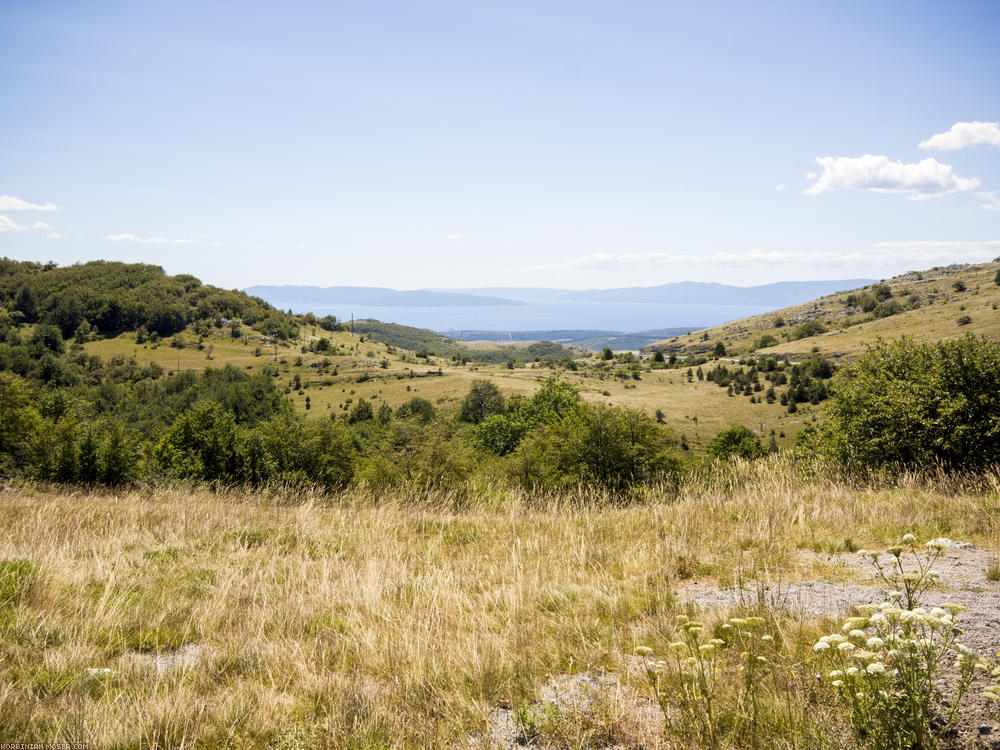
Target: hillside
941,303
422,341
109,297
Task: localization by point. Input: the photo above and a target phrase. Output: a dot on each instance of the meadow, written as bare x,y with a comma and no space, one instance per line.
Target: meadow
237,618
356,368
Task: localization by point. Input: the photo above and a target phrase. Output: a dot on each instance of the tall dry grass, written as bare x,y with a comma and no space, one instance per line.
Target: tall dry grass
362,620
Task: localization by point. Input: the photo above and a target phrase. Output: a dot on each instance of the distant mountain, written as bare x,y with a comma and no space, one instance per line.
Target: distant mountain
373,295
780,294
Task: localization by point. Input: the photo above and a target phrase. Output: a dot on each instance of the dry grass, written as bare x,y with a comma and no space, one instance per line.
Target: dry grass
849,335
698,410
360,621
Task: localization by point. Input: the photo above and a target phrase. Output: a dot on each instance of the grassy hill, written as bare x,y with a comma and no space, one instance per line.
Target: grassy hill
428,342
941,303
325,372
110,297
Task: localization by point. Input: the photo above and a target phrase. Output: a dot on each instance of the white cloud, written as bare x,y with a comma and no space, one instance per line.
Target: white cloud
13,203
779,188
152,240
454,236
811,175
930,251
927,178
882,252
39,225
964,134
6,225
54,236
989,200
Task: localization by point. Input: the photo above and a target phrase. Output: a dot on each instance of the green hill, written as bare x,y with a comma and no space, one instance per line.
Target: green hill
944,302
109,297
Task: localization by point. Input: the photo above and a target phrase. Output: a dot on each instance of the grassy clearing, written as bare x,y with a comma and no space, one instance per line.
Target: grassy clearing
697,409
361,621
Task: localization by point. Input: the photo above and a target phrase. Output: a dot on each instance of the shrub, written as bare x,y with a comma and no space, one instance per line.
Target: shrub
964,320
605,445
735,442
765,341
483,399
807,329
910,404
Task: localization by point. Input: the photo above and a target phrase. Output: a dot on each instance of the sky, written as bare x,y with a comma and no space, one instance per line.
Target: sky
467,143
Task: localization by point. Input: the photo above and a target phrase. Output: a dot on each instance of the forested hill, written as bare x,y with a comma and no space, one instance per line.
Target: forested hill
110,297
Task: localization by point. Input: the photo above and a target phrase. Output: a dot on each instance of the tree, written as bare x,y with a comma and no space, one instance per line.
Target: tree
735,442
610,446
417,408
910,404
719,350
50,337
996,279
17,418
483,399
200,444
658,356
607,354
363,411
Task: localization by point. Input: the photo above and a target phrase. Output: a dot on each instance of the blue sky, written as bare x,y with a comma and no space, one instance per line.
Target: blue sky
434,143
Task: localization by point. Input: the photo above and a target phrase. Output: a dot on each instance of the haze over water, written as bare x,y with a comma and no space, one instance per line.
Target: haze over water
539,315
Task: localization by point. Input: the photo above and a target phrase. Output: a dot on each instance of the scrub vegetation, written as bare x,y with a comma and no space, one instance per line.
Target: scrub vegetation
224,525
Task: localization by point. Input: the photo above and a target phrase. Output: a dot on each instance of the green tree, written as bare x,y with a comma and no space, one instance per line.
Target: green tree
605,445
363,411
607,354
483,399
907,404
17,420
200,444
719,350
49,337
417,408
735,442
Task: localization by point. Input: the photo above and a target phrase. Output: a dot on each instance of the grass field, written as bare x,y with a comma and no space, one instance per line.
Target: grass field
697,409
293,620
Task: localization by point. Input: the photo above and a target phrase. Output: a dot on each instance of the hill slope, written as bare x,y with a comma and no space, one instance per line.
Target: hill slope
941,303
111,297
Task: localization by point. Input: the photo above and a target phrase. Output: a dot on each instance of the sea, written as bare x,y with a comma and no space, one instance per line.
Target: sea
539,315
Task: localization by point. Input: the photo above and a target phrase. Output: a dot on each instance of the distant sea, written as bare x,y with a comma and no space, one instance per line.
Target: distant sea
540,315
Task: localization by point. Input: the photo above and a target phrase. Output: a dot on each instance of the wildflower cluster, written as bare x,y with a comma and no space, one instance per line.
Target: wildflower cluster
689,677
992,691
887,661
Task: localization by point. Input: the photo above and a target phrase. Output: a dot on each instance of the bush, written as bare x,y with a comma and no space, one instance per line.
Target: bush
608,446
964,320
736,442
807,329
910,404
483,399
